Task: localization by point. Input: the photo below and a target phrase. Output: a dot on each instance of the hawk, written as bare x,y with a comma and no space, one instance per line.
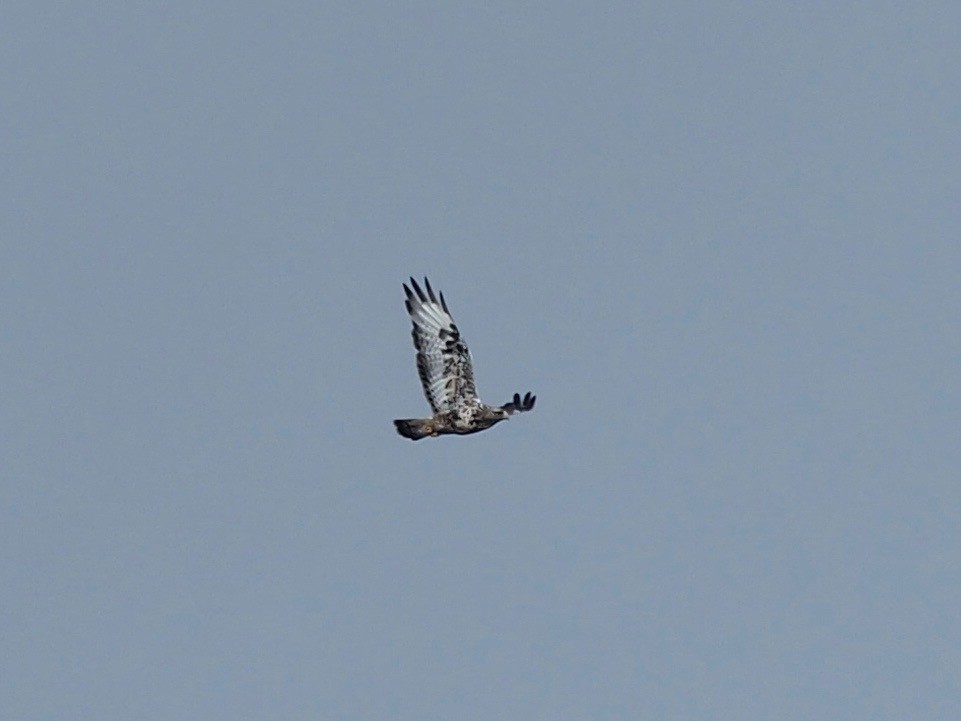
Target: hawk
444,366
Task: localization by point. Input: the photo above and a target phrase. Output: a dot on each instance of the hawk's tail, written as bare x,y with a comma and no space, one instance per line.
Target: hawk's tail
414,428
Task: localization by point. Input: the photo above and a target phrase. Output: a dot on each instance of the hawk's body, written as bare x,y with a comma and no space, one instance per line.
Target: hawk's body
444,367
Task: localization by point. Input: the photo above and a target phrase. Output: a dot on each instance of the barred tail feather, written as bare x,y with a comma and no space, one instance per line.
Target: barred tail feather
414,428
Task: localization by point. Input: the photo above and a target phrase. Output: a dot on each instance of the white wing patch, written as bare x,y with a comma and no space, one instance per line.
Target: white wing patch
443,360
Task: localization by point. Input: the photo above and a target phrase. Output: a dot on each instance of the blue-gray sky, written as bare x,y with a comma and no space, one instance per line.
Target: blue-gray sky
721,242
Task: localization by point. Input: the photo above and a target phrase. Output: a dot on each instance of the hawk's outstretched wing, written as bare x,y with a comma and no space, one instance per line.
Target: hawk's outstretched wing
443,361
520,405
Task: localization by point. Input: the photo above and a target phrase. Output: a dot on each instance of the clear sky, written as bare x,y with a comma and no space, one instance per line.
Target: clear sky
721,241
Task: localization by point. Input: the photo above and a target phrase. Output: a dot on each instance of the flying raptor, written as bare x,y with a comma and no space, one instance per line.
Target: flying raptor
444,366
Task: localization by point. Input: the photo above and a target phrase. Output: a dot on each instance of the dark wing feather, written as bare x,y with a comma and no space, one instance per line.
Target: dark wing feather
519,405
443,360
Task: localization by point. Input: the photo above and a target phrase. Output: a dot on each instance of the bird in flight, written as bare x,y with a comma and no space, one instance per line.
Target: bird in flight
444,366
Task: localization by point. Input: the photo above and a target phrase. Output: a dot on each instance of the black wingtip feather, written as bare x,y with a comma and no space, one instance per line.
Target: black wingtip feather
430,291
420,294
519,405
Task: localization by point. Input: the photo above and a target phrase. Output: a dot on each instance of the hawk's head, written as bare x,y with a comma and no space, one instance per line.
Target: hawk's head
489,416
